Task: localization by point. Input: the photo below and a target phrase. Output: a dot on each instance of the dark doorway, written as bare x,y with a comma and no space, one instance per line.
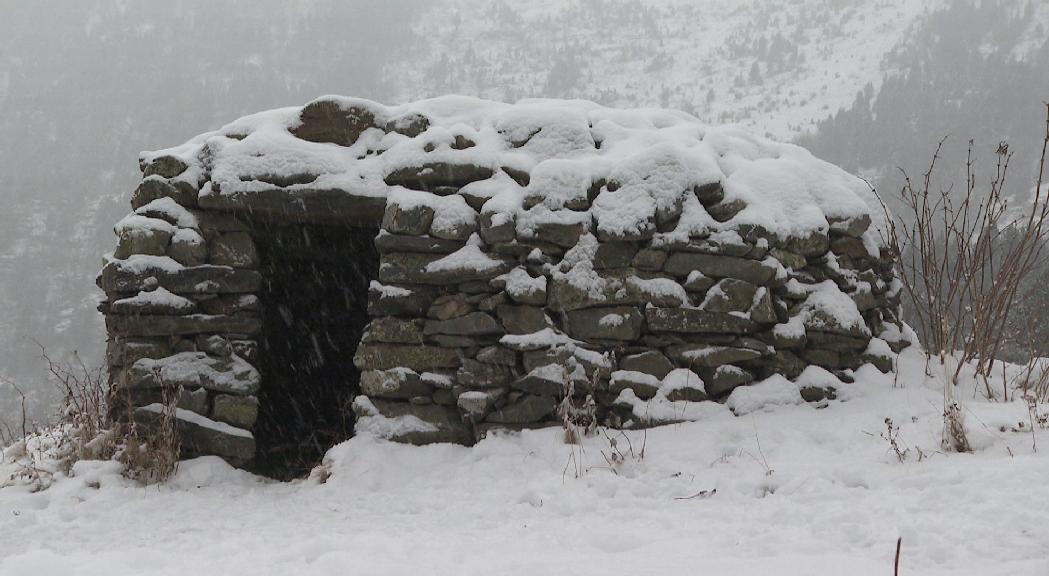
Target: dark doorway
314,309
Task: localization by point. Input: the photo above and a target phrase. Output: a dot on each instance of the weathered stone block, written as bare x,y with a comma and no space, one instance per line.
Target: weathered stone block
435,176
614,255
644,385
445,423
390,300
182,325
449,306
420,358
471,325
708,356
134,275
411,220
549,380
680,264
154,187
527,409
410,268
387,243
474,374
230,375
201,435
695,321
239,411
651,362
618,323
234,249
725,378
394,330
397,383
331,121
522,319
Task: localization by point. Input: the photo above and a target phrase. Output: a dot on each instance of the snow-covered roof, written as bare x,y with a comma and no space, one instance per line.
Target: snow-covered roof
558,159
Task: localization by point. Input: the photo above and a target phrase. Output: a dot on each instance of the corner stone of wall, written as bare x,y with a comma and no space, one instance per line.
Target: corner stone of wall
182,315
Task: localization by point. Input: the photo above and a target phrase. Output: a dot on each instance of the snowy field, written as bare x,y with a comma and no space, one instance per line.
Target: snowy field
788,490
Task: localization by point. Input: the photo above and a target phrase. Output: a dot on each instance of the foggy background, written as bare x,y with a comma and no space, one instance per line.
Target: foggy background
86,84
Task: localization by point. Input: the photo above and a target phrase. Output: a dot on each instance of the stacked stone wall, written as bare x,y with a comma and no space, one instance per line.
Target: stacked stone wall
543,300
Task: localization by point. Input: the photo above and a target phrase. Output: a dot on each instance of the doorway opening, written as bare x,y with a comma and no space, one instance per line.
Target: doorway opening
314,310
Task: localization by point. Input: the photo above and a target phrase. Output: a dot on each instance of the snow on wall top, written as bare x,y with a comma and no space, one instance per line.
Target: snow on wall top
558,159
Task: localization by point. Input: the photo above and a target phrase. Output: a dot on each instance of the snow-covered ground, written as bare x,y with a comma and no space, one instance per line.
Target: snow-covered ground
790,490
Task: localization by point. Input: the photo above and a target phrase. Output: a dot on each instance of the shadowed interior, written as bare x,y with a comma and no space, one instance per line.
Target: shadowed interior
314,301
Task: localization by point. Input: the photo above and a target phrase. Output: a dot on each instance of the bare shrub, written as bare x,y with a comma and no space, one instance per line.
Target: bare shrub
84,411
148,448
962,259
151,449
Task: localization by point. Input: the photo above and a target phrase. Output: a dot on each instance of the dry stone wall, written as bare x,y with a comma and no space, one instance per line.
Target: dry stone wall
537,261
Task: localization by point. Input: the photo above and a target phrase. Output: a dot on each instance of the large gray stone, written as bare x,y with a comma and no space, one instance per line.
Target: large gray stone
333,122
527,409
730,295
474,374
723,379
182,325
708,356
644,385
473,324
614,255
201,435
435,176
411,220
317,206
681,263
153,303
724,211
397,383
188,248
154,187
522,319
854,226
813,244
449,306
694,321
387,243
407,268
420,358
394,330
123,352
444,422
497,355
617,323
230,375
475,404
239,411
561,234
710,193
134,275
234,249
389,300
652,362
549,380
165,167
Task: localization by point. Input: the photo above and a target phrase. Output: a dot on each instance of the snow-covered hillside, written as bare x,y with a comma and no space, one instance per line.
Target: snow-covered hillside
777,68
789,490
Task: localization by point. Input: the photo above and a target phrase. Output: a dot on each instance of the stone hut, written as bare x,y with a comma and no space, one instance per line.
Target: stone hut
433,271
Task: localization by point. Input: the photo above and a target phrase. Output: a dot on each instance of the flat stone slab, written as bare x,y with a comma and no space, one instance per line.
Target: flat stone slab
135,273
300,205
694,321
